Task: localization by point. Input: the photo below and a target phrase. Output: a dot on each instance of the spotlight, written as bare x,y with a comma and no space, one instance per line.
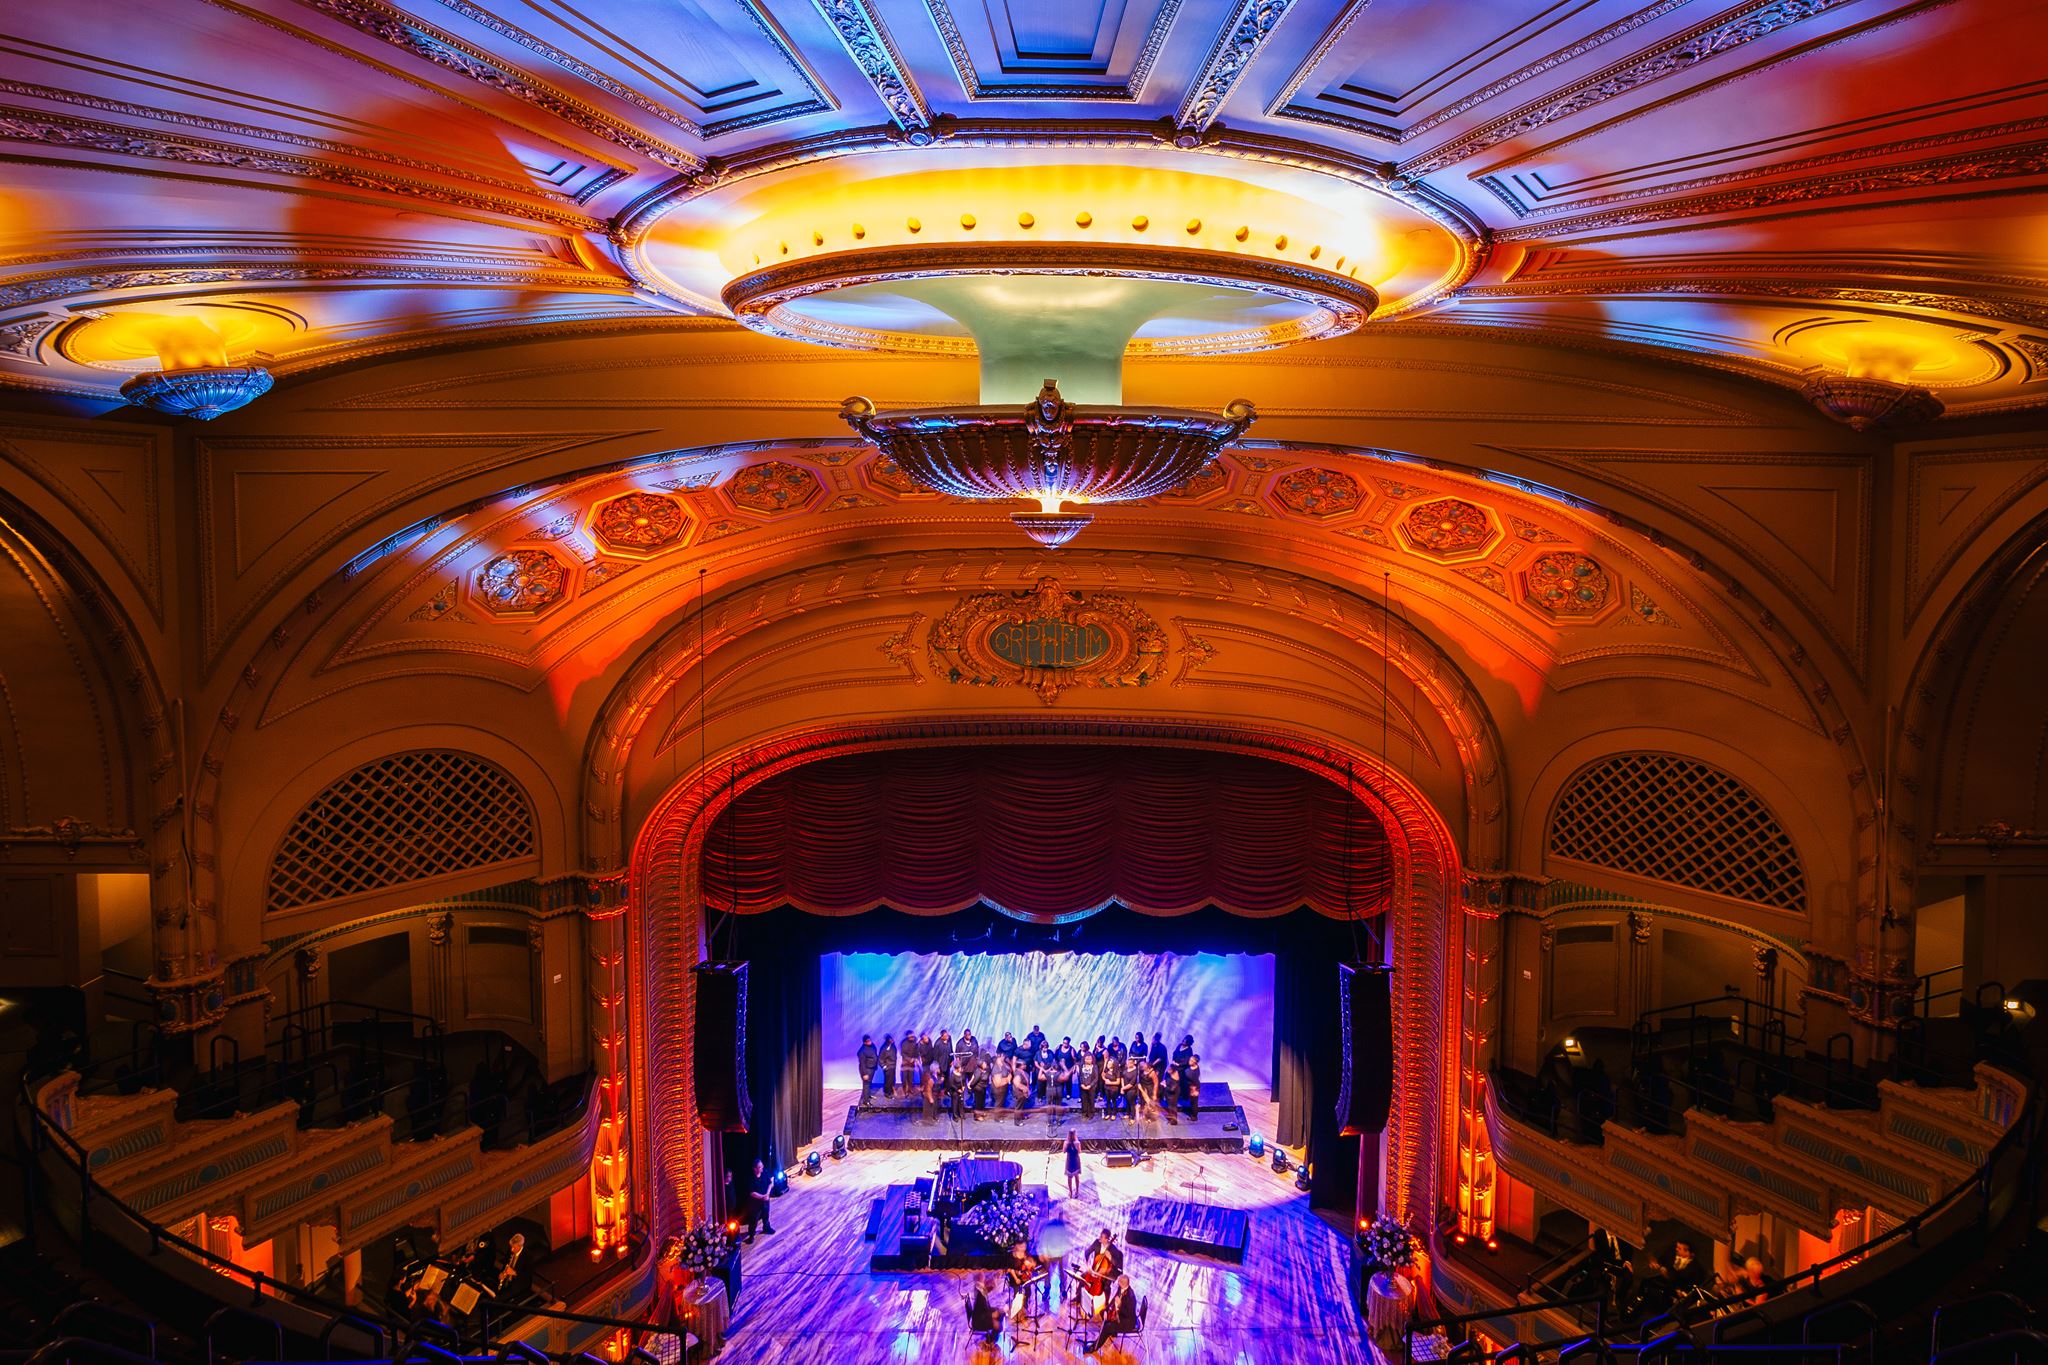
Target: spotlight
732,1225
1301,1178
1280,1161
838,1146
813,1163
779,1185
1257,1147
1365,1223
1493,1244
1457,1239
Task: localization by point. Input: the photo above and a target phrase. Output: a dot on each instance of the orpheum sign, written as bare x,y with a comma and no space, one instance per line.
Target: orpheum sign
1048,639
1048,644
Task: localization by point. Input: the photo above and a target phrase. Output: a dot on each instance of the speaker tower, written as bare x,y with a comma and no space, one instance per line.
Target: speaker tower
1365,1008
719,1054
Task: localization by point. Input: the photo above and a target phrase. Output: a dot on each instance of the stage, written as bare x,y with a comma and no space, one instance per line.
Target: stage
812,1298
1219,1125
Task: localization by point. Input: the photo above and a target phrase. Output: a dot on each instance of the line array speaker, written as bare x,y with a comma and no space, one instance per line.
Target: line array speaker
1365,1007
718,1055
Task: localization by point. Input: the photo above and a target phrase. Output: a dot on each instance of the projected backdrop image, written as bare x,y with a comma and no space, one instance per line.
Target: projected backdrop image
1224,999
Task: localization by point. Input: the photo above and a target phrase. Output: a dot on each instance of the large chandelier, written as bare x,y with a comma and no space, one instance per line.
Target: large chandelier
1050,451
1050,272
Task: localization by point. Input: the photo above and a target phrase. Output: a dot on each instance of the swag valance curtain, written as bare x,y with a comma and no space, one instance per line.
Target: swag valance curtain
1048,830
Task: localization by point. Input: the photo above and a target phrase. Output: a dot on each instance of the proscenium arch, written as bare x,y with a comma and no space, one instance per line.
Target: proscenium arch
1413,655
665,932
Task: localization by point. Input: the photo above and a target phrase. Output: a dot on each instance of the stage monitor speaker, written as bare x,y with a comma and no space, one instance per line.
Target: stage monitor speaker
1365,1008
1119,1158
719,1055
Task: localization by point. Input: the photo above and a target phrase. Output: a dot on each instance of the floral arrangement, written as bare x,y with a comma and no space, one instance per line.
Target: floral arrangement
1003,1221
706,1246
1387,1244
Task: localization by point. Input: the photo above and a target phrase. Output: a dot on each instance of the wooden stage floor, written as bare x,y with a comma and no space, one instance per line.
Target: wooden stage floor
810,1299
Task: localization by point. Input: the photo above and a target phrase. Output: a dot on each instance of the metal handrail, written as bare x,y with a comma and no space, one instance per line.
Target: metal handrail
73,1154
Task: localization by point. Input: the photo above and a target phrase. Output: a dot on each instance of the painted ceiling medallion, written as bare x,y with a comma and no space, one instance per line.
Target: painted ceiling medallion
1048,639
640,522
522,582
1567,585
1448,528
1050,451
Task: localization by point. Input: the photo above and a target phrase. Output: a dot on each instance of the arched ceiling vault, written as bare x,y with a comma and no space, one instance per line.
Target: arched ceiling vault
1773,189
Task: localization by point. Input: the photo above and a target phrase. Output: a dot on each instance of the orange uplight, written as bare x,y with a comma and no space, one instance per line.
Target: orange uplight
732,1225
198,338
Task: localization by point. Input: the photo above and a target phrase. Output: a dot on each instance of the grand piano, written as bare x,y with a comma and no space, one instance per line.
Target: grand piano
966,1181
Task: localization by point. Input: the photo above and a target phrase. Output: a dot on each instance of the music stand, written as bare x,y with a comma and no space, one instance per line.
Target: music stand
1035,1291
465,1297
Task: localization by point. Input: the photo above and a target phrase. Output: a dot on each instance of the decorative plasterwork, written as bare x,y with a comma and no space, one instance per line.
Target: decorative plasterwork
868,42
1239,42
1042,85
1675,56
1048,639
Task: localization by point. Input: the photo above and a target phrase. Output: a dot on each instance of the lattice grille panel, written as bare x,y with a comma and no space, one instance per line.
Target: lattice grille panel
1681,821
401,819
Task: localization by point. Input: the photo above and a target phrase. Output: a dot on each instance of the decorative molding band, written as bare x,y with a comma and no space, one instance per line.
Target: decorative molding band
1675,56
2026,160
866,39
25,291
1498,187
1286,105
444,50
608,176
815,104
57,130
2004,308
1240,42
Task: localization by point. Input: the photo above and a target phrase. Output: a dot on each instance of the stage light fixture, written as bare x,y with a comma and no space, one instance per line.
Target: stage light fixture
780,1184
1492,1244
838,1146
813,1163
1280,1161
732,1225
1301,1178
1457,1239
1257,1147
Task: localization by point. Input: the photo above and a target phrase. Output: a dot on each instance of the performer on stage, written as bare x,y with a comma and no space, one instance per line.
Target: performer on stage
999,1075
1148,1091
1091,1080
967,1043
1191,1084
1008,1047
945,1042
1060,1077
928,1082
1073,1164
1184,1051
866,1060
1112,1079
977,1082
1119,1316
1035,1040
925,1049
1134,1067
887,1062
1158,1053
1068,1059
956,1084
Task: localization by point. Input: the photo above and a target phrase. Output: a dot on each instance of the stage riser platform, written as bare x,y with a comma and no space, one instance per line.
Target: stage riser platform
1203,1229
1215,1096
1009,1133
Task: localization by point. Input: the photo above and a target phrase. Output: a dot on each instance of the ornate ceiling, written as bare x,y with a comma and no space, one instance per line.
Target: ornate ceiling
1783,188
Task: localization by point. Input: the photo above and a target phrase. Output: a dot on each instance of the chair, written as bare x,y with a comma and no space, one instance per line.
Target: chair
984,1321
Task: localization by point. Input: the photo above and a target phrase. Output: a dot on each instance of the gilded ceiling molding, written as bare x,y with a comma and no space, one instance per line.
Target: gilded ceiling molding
1673,189
1286,104
1236,46
26,290
970,77
815,104
604,179
58,130
866,39
2027,160
444,50
1674,56
2004,308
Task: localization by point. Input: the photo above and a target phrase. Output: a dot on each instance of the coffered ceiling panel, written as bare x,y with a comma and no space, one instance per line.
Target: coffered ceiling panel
1810,193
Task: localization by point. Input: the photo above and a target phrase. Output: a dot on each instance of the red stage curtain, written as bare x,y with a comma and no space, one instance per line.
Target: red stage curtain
1044,830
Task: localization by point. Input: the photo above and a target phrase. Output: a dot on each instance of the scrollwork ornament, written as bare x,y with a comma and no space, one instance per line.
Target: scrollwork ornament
1132,644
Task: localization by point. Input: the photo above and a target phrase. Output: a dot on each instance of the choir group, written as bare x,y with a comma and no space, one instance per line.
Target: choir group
968,1076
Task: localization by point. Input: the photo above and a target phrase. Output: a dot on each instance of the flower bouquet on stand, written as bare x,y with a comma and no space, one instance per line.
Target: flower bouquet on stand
1389,1248
1003,1221
705,1248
